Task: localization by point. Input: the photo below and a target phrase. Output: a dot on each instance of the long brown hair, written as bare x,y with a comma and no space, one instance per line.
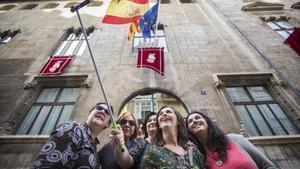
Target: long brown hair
182,131
217,141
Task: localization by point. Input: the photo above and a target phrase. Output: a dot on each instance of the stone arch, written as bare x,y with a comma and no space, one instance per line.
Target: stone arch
146,91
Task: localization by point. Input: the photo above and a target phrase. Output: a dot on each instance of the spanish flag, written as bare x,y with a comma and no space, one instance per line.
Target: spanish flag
125,11
134,27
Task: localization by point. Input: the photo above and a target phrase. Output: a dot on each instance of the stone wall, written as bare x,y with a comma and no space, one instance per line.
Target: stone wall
204,38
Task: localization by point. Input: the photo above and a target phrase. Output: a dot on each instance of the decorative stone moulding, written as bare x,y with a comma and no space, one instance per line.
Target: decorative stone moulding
218,84
84,81
296,5
277,82
241,79
242,130
87,83
275,18
30,85
262,6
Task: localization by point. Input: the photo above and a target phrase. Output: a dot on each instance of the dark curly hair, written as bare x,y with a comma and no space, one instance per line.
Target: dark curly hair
217,141
182,137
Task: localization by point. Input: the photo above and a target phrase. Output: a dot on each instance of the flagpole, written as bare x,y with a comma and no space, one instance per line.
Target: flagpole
156,24
156,27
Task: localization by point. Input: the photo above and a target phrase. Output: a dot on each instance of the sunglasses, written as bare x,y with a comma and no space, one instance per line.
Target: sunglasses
100,108
130,122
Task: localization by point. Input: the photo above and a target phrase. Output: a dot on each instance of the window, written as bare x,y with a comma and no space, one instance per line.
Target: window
165,1
29,6
139,41
52,106
7,7
260,113
73,42
282,27
6,36
188,1
164,95
95,4
50,6
144,105
68,5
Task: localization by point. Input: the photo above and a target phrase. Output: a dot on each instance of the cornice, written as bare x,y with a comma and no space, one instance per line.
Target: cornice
258,141
275,140
12,1
23,139
262,6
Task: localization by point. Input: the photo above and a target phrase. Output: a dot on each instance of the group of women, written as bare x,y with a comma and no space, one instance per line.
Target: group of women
194,143
172,142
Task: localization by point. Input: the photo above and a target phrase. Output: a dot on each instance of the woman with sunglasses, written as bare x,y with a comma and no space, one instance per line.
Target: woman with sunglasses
127,123
132,157
170,151
224,151
73,145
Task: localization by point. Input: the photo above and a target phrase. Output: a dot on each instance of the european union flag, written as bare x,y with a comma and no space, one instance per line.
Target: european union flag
148,20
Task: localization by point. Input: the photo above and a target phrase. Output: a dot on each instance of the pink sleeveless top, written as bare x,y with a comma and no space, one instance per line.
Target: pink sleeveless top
236,159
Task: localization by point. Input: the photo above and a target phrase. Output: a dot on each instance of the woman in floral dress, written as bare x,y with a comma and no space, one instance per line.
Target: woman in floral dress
171,151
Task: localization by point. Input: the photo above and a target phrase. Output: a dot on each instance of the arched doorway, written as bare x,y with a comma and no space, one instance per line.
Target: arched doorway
145,101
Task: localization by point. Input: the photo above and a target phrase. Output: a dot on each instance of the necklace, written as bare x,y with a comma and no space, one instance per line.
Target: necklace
218,161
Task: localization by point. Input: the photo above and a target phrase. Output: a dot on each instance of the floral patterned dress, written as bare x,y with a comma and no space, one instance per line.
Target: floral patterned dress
158,157
137,151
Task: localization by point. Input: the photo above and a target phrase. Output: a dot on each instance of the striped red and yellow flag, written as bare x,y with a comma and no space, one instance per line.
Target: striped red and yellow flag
134,27
125,11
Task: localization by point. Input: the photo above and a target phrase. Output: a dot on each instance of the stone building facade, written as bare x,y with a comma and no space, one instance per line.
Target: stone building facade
225,58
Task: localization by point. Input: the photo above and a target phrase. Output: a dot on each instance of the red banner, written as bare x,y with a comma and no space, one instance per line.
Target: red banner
55,65
294,40
152,58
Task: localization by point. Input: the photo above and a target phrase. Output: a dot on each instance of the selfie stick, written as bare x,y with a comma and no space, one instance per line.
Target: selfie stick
76,8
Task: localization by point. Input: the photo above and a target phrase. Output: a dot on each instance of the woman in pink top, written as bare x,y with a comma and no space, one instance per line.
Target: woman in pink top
230,151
